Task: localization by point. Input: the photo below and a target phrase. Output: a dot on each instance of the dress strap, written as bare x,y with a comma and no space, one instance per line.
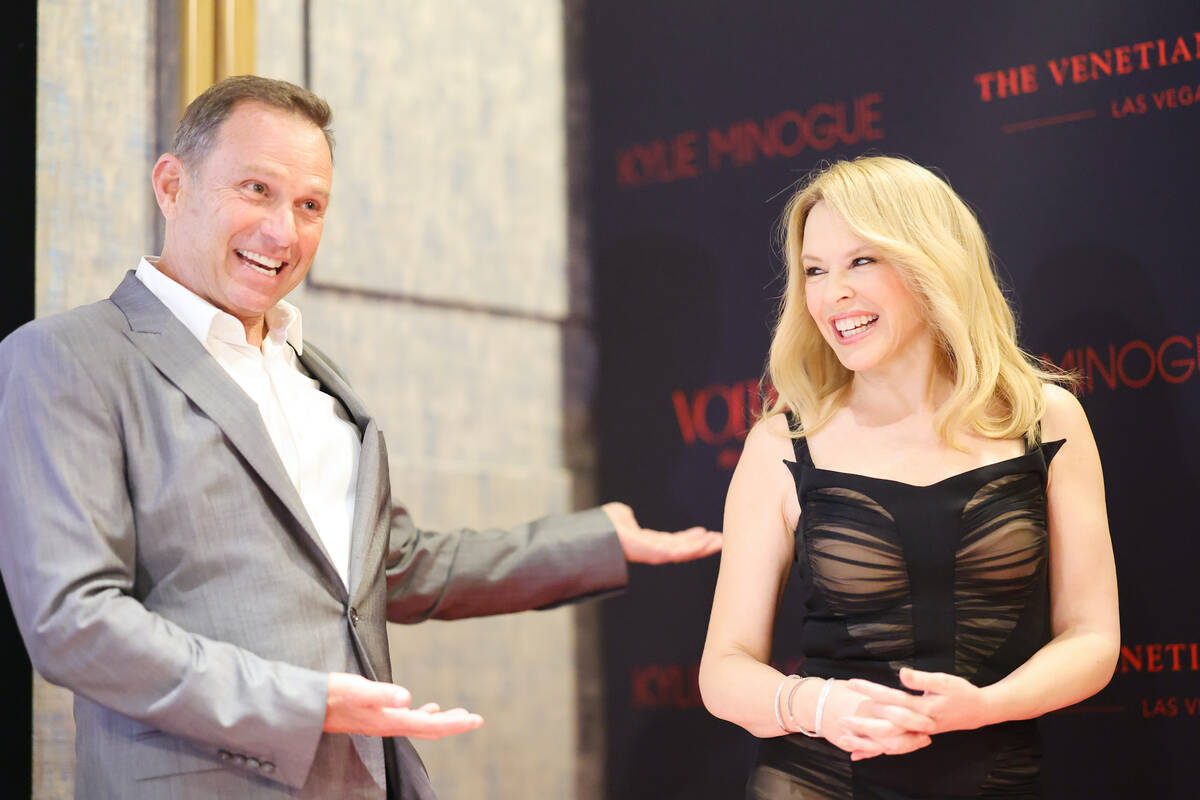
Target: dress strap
1035,441
1050,450
799,444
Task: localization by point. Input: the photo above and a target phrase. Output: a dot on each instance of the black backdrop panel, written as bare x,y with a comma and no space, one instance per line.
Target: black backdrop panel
1072,131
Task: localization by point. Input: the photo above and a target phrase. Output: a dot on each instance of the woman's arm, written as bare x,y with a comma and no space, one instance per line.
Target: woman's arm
737,684
1079,660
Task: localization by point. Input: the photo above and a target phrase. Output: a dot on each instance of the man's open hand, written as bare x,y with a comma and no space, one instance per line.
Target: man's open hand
373,708
647,546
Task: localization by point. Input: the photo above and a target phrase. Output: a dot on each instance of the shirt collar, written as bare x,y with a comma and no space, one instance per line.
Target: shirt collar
205,320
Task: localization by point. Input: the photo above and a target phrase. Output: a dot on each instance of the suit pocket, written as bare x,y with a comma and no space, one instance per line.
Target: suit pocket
159,755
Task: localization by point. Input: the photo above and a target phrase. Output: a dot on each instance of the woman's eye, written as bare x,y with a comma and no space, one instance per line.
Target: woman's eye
858,262
812,272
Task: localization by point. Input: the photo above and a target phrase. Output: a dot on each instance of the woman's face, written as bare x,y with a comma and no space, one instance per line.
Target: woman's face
858,300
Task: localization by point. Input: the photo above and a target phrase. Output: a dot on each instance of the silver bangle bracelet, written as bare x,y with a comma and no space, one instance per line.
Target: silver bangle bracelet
778,694
794,727
821,706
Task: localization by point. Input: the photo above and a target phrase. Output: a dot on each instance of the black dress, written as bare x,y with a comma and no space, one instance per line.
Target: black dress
950,577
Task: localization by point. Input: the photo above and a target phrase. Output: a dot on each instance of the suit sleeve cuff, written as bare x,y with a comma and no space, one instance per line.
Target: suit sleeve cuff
289,759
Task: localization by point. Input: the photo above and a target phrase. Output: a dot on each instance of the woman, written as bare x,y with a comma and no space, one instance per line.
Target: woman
944,501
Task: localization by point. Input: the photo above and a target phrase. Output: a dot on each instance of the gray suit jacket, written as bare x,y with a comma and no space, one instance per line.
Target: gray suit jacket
162,566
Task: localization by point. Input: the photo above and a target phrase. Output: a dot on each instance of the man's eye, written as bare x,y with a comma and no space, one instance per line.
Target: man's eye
258,188
309,205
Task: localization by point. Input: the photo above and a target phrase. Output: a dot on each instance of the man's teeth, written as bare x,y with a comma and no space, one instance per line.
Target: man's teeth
850,326
264,264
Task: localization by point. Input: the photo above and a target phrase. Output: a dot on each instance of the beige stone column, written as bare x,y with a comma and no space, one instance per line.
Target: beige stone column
442,289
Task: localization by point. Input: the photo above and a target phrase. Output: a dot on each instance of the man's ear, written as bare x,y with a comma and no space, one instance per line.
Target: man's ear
168,178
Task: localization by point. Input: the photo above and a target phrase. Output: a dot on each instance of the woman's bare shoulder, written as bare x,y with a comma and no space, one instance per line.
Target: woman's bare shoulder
772,431
768,442
1064,415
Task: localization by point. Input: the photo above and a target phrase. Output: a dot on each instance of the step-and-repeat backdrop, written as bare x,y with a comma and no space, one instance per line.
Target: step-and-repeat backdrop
1073,130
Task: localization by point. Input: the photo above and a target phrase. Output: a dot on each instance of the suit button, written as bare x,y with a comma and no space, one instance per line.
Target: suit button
354,616
238,759
268,767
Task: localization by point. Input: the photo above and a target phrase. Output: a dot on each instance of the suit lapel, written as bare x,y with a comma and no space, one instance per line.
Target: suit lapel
332,382
177,354
369,495
371,488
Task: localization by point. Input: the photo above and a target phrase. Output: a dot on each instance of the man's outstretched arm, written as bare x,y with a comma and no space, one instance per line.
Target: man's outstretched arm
541,564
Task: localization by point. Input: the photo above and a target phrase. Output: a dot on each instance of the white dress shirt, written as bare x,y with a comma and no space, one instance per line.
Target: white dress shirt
316,441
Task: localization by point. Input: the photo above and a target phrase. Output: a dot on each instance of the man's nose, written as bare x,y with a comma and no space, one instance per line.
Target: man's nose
280,226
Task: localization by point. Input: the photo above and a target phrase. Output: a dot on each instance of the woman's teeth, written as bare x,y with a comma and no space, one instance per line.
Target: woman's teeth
257,261
852,326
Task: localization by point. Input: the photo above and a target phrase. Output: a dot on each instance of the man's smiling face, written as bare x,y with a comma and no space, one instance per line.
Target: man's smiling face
244,223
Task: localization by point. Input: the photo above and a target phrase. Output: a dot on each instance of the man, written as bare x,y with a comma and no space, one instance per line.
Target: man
199,539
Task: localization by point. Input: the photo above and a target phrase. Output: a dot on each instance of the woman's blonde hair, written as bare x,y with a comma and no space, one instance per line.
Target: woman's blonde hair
929,235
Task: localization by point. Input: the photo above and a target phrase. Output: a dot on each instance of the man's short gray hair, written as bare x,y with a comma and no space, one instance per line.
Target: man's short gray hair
197,131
